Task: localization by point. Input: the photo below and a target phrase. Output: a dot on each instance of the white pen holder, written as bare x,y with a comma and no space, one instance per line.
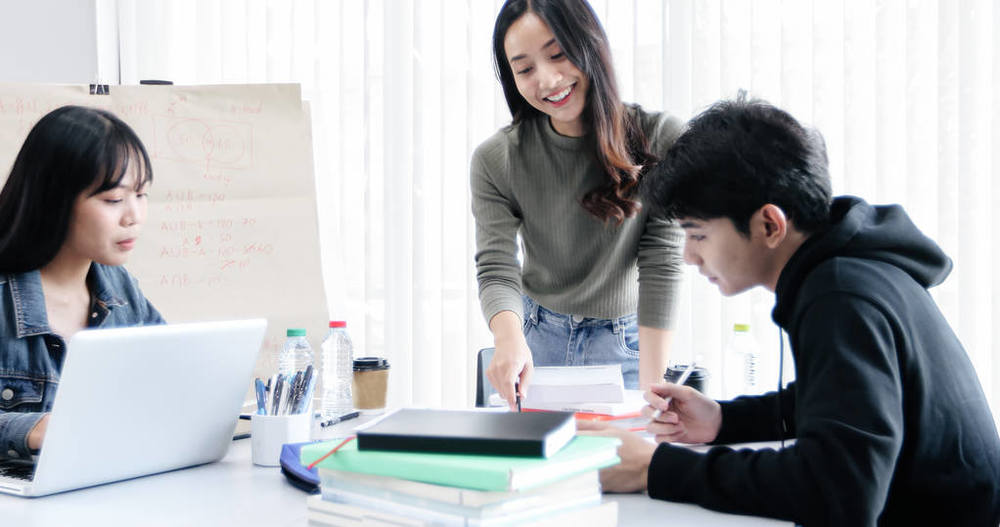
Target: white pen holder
269,432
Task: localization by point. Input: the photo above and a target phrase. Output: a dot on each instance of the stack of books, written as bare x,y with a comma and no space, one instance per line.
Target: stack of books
448,468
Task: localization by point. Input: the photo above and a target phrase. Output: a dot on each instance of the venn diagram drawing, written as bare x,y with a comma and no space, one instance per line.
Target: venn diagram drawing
211,144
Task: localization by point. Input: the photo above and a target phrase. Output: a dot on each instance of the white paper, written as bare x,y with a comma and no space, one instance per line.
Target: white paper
574,384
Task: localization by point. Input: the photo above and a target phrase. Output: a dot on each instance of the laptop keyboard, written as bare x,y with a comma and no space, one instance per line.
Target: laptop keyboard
17,469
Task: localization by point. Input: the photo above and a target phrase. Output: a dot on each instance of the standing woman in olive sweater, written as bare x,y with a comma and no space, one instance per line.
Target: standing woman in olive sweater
597,278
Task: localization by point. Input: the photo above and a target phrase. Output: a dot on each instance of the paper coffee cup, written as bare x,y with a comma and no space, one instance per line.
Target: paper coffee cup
370,383
697,380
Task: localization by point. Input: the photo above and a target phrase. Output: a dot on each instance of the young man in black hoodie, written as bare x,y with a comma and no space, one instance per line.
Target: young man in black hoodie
890,422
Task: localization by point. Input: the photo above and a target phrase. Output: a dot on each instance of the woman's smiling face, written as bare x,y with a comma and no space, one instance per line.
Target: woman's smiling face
545,76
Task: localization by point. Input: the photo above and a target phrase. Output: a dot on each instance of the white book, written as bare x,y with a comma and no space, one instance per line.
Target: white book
470,504
414,491
450,519
573,384
323,513
632,405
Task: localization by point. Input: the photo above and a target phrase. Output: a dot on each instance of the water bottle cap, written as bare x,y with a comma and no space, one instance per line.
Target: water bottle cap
338,323
741,327
295,332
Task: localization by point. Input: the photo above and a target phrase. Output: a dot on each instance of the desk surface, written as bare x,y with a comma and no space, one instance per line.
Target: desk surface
236,492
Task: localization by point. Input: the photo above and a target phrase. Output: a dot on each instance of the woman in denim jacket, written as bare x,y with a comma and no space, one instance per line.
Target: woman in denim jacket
71,211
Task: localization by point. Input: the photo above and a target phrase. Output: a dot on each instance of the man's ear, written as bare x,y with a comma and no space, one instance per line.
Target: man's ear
773,224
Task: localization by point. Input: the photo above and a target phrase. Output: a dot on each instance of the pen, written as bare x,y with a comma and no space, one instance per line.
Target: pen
684,377
334,420
308,386
293,393
272,385
261,396
286,393
300,390
276,396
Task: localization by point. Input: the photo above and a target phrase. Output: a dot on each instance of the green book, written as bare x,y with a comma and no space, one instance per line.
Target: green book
469,471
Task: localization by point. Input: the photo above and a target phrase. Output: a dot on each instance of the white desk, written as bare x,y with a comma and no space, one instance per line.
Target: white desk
236,492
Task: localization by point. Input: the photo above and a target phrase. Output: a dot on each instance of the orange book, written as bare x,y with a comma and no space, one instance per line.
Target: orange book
589,416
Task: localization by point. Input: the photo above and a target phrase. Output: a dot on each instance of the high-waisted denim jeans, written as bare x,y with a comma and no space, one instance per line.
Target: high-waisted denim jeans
572,340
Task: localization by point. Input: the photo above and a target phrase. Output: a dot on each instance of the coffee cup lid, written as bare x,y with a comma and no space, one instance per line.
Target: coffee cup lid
370,363
677,370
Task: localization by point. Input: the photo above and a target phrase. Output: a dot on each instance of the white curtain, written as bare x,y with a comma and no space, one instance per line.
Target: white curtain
906,93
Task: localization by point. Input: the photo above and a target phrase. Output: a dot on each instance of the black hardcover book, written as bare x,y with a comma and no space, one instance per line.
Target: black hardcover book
535,434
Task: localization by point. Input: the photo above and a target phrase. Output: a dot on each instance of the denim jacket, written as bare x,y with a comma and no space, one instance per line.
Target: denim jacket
31,355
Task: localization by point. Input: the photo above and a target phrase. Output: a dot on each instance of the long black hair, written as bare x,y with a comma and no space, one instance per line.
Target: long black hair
621,145
69,151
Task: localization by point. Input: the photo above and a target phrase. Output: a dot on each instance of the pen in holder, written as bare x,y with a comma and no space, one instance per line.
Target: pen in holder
285,394
284,414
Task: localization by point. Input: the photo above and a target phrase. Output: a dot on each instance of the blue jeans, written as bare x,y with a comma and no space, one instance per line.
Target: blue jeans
571,340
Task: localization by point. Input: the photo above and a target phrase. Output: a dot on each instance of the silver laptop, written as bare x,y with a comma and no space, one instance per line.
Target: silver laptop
137,401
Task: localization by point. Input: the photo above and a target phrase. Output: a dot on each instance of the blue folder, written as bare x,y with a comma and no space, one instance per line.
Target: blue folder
295,472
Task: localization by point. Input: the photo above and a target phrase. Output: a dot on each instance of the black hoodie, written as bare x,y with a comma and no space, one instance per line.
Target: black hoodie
891,424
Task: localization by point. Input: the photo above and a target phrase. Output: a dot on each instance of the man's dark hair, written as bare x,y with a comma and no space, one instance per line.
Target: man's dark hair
736,157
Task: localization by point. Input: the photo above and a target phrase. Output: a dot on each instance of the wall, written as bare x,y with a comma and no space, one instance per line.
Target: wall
51,41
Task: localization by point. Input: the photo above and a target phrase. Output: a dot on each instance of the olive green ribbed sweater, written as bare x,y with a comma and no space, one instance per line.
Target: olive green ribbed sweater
526,179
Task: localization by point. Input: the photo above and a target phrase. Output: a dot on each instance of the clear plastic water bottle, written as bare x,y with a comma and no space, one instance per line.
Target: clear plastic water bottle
742,375
338,370
296,355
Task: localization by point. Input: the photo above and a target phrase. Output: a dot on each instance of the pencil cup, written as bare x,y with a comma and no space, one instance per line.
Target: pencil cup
268,433
371,380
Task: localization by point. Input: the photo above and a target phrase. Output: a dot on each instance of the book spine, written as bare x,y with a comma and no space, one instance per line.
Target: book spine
489,447
561,492
383,505
325,513
423,470
405,510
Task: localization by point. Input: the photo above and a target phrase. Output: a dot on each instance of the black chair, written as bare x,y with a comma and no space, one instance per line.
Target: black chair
483,387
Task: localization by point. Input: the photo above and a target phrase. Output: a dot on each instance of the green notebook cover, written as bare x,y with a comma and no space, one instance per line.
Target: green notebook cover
470,471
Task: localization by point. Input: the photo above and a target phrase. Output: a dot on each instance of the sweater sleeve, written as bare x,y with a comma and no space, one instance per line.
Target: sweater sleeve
767,417
497,221
660,253
849,430
660,270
